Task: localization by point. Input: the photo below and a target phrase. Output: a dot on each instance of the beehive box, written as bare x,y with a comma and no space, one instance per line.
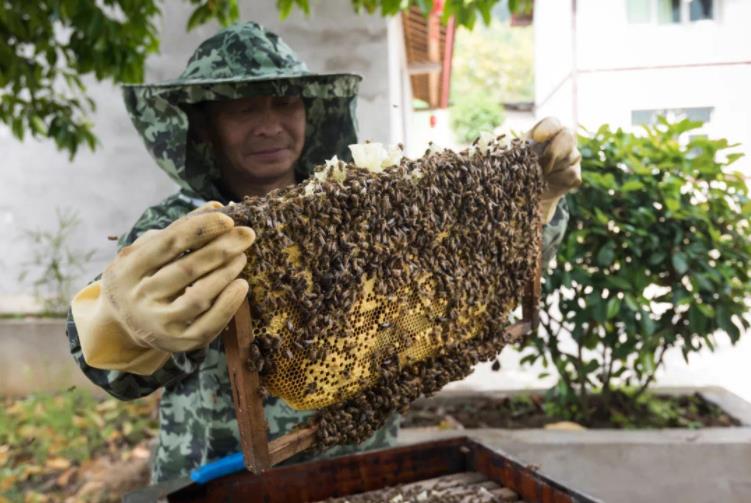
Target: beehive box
455,467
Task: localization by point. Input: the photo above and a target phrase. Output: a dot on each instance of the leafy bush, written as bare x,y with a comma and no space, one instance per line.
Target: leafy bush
54,266
473,114
656,256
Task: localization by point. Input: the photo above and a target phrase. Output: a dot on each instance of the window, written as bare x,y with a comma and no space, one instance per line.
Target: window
638,11
701,9
669,11
641,117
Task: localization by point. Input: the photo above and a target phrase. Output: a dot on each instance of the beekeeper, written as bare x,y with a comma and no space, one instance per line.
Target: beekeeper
245,117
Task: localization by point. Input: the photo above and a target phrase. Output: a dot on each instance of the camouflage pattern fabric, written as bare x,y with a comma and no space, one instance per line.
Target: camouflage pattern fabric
552,233
196,413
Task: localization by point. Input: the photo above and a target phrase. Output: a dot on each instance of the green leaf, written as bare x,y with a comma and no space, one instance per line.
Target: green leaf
679,262
702,282
706,310
614,307
631,302
601,217
618,282
672,204
38,125
598,308
647,361
606,254
731,158
199,16
657,257
632,185
647,324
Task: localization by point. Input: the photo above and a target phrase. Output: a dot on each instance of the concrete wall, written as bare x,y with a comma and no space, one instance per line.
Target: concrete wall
35,357
618,67
110,187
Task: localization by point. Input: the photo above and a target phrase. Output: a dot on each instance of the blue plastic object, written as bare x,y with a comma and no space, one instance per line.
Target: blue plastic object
219,468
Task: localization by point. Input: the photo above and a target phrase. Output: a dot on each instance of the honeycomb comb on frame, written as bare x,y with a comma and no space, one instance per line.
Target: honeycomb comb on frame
370,289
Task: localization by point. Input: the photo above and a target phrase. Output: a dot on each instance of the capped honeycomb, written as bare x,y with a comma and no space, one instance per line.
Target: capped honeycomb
368,289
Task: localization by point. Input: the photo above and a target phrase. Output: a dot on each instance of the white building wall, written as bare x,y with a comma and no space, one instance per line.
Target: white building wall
112,186
400,88
607,40
554,58
622,67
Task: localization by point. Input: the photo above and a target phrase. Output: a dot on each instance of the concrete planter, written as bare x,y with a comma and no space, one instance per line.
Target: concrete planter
35,357
709,464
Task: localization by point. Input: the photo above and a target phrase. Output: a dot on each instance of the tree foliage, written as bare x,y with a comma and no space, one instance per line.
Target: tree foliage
464,12
493,64
497,60
474,113
48,48
656,257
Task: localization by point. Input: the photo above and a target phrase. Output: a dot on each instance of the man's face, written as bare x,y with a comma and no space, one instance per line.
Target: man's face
258,138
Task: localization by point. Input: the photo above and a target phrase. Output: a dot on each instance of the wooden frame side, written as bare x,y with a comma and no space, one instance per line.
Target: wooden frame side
246,394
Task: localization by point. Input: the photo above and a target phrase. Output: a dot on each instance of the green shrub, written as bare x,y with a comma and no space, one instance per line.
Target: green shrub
54,265
473,114
656,256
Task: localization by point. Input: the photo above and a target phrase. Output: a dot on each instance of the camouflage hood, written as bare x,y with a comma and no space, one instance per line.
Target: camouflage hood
240,61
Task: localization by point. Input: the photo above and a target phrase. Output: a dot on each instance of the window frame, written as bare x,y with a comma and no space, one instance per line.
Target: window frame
685,14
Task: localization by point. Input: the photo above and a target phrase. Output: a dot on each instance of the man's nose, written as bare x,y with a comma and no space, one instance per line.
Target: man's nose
269,123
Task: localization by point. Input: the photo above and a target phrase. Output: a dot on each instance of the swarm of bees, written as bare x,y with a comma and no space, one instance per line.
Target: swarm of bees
468,487
371,289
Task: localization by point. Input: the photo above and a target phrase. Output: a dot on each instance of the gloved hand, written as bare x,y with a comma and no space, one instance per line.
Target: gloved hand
172,290
560,161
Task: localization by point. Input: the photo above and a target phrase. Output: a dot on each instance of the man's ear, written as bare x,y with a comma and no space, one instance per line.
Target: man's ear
199,121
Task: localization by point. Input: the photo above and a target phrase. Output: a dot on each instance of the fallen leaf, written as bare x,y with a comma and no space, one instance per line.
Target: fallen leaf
96,419
29,470
65,478
80,422
57,464
565,426
141,452
107,405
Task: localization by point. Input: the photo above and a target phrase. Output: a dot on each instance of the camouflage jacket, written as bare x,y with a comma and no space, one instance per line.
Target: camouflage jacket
196,413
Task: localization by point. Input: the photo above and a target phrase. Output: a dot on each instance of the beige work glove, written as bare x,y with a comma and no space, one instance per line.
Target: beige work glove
172,290
560,161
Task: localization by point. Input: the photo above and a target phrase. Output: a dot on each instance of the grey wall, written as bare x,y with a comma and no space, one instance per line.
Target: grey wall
110,187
